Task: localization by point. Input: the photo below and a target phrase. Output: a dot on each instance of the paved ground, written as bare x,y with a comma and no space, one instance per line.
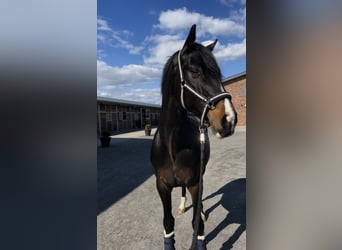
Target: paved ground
130,210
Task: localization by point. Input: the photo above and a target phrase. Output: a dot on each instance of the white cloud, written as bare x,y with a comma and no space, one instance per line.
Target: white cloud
163,47
178,19
182,19
230,52
127,82
116,38
177,23
152,95
102,25
131,74
239,16
101,54
101,38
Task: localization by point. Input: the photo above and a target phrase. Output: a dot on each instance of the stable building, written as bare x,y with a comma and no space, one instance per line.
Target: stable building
116,115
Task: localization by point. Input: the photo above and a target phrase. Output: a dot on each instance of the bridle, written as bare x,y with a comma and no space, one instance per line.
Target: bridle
209,102
209,105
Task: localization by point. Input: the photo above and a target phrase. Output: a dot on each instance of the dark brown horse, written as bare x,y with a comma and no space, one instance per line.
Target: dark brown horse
193,98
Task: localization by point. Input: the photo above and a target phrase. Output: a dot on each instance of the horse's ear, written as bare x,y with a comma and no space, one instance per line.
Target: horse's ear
190,39
212,45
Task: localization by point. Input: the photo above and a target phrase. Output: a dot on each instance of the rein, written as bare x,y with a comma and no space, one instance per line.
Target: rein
209,105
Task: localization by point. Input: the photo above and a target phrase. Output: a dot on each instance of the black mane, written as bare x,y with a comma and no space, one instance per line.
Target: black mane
170,69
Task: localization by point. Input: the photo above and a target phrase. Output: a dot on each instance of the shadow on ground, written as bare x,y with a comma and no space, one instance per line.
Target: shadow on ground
234,201
120,169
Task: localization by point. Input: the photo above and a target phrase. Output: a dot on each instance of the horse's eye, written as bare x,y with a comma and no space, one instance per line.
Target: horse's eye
196,74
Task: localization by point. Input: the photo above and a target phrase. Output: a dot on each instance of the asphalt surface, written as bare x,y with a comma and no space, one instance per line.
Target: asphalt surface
130,210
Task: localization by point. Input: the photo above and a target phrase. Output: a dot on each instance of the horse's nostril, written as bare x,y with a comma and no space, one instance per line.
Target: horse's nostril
229,118
227,127
218,135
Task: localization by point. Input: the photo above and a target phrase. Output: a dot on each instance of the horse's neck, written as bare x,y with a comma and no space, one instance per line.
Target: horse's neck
172,117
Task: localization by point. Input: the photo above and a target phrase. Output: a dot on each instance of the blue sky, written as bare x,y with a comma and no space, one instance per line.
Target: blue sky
135,38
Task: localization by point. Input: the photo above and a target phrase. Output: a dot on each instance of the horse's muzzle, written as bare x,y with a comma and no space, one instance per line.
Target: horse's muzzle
227,127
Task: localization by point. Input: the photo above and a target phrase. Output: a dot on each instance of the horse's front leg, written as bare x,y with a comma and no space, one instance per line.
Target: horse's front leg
164,191
200,244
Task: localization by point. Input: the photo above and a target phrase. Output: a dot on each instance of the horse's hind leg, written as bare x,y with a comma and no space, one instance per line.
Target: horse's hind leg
201,243
165,194
181,208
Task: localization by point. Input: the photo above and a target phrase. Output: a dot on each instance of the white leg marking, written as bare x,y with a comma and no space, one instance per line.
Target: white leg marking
181,208
203,217
168,235
200,237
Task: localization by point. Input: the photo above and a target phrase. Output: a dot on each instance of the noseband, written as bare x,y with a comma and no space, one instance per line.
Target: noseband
209,102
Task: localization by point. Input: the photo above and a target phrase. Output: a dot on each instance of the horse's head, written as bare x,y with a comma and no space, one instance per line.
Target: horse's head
202,92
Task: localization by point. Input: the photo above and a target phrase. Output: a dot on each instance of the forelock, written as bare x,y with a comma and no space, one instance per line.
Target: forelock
208,61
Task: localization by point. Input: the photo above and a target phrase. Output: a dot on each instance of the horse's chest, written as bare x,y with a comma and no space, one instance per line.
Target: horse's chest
185,167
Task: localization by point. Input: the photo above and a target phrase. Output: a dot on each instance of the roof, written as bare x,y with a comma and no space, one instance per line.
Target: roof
120,101
234,78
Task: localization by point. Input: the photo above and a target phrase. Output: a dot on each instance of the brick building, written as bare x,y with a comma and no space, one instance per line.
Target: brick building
236,85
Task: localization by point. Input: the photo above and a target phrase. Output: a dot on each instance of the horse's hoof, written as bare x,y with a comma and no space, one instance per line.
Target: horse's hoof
181,210
169,243
201,245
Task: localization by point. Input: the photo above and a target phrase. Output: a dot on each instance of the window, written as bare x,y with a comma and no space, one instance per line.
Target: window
109,117
120,116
